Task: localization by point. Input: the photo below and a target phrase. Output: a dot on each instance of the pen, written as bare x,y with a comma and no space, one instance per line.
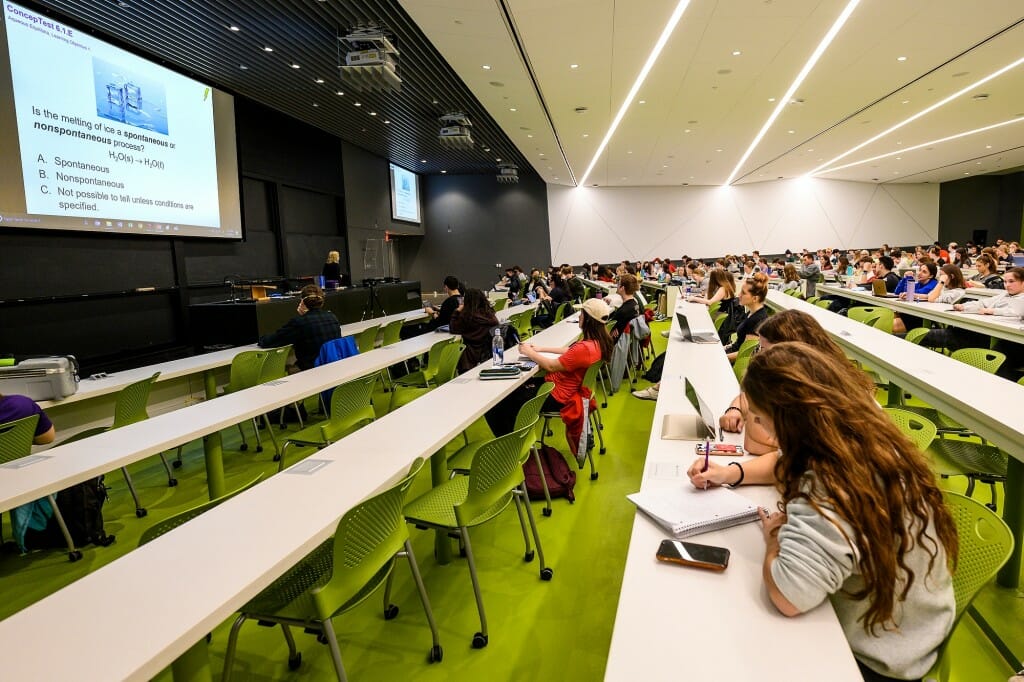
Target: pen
707,453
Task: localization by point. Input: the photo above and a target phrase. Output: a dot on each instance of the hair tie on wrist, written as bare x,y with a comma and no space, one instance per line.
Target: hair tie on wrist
732,407
737,483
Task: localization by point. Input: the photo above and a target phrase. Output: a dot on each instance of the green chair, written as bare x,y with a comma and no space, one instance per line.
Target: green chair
812,299
823,303
16,442
367,339
916,335
390,333
462,461
499,303
592,417
865,313
351,409
985,545
181,518
129,408
339,575
918,429
495,479
743,357
246,370
984,359
276,367
447,365
523,322
424,376
720,320
713,309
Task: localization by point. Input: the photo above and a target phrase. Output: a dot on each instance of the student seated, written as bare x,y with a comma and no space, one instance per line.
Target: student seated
988,275
311,329
439,317
1008,304
861,520
34,516
752,295
925,275
628,309
475,321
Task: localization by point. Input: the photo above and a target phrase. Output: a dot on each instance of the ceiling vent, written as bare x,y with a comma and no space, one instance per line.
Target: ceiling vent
371,61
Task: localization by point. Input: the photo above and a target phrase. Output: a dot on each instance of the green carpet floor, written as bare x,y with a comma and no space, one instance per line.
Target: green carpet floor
558,630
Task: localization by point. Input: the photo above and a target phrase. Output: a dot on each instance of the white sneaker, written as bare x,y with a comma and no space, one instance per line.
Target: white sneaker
650,393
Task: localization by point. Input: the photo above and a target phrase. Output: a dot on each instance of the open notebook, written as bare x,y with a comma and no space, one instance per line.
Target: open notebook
687,511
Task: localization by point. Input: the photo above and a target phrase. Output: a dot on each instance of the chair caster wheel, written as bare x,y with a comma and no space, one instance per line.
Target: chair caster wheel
390,612
546,511
436,654
604,404
322,638
140,512
259,448
74,556
603,450
528,557
277,458
593,476
295,661
172,482
600,427
479,640
176,464
243,447
546,574
550,433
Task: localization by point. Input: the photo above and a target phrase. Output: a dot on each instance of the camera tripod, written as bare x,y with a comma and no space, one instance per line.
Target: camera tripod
373,303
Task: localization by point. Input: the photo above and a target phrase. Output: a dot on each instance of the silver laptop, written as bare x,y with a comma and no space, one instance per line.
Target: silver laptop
696,335
690,426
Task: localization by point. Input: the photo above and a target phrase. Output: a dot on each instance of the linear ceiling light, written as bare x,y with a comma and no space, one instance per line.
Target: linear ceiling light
785,99
902,150
947,100
641,77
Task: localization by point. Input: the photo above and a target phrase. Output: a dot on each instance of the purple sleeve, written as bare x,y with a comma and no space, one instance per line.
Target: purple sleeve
14,407
44,424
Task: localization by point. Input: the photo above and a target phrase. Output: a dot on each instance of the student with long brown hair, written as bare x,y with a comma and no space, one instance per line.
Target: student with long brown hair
721,288
861,521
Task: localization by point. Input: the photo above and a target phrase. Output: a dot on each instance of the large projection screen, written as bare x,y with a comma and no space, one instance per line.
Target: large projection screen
95,138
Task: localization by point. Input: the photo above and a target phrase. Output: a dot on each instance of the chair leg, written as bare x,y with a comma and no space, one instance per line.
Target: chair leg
294,657
600,436
298,413
970,486
546,573
245,444
229,653
256,430
332,642
177,459
280,456
171,480
74,554
543,481
528,552
480,638
390,610
435,651
273,437
992,505
139,510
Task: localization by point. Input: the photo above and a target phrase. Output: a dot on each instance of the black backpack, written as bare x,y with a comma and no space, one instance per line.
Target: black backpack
81,507
560,478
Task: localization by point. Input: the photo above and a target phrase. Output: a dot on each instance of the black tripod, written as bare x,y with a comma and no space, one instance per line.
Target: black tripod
373,303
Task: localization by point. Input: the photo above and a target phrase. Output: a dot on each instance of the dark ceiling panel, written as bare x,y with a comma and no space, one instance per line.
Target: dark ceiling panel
193,37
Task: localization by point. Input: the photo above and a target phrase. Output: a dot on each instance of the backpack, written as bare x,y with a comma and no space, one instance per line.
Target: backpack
81,506
509,334
560,478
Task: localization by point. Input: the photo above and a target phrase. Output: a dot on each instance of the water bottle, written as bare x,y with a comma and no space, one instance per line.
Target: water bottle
498,347
911,288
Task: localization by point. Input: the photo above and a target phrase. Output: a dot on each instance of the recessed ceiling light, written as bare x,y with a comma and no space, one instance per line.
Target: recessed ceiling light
556,177
977,163
340,93
487,67
487,149
530,136
586,134
643,101
386,122
966,173
718,150
808,65
268,49
988,146
736,53
319,80
234,28
664,166
901,59
373,113
498,160
315,104
906,101
433,101
423,160
444,172
359,104
790,131
243,67
513,109
899,158
296,66
629,152
573,66
811,149
686,130
771,99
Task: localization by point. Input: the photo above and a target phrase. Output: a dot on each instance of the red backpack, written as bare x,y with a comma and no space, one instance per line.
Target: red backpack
560,478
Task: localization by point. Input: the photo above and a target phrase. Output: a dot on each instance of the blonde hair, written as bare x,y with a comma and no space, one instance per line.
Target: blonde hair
333,257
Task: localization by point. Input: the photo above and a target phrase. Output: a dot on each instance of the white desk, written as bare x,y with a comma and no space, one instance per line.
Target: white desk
725,620
407,316
1008,328
985,403
233,551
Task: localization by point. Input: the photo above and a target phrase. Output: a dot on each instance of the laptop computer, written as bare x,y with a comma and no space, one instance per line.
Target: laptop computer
1018,260
878,289
690,426
696,335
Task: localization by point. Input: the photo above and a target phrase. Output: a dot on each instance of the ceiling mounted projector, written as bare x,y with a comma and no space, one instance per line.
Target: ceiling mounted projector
455,131
508,174
370,61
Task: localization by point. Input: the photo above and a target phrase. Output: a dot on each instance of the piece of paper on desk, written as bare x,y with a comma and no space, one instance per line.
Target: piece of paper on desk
23,462
667,470
686,511
307,467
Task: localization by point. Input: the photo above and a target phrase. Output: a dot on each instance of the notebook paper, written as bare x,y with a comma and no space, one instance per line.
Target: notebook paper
686,511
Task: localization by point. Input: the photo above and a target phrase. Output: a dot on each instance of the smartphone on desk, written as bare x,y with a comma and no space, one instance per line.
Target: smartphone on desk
692,554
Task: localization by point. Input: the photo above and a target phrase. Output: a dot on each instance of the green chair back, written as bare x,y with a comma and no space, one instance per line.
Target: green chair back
812,299
915,427
16,438
985,544
530,410
823,303
563,310
275,366
523,323
391,333
713,309
366,339
496,470
500,303
719,321
350,406
880,322
130,406
449,363
245,370
865,313
916,334
179,519
589,377
982,358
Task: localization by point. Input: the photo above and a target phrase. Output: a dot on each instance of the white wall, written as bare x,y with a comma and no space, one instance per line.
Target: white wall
609,224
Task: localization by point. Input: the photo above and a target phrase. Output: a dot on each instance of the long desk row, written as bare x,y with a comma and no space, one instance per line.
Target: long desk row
1008,328
236,549
725,619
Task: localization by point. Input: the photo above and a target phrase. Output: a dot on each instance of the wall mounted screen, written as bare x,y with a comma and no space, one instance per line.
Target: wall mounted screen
405,195
95,138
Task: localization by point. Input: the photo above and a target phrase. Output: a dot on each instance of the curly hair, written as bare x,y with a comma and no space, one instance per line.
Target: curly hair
866,471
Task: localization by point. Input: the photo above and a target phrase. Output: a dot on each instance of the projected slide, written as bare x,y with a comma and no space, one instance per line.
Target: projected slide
405,195
111,141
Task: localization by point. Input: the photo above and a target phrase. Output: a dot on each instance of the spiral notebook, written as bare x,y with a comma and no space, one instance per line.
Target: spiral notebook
687,511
